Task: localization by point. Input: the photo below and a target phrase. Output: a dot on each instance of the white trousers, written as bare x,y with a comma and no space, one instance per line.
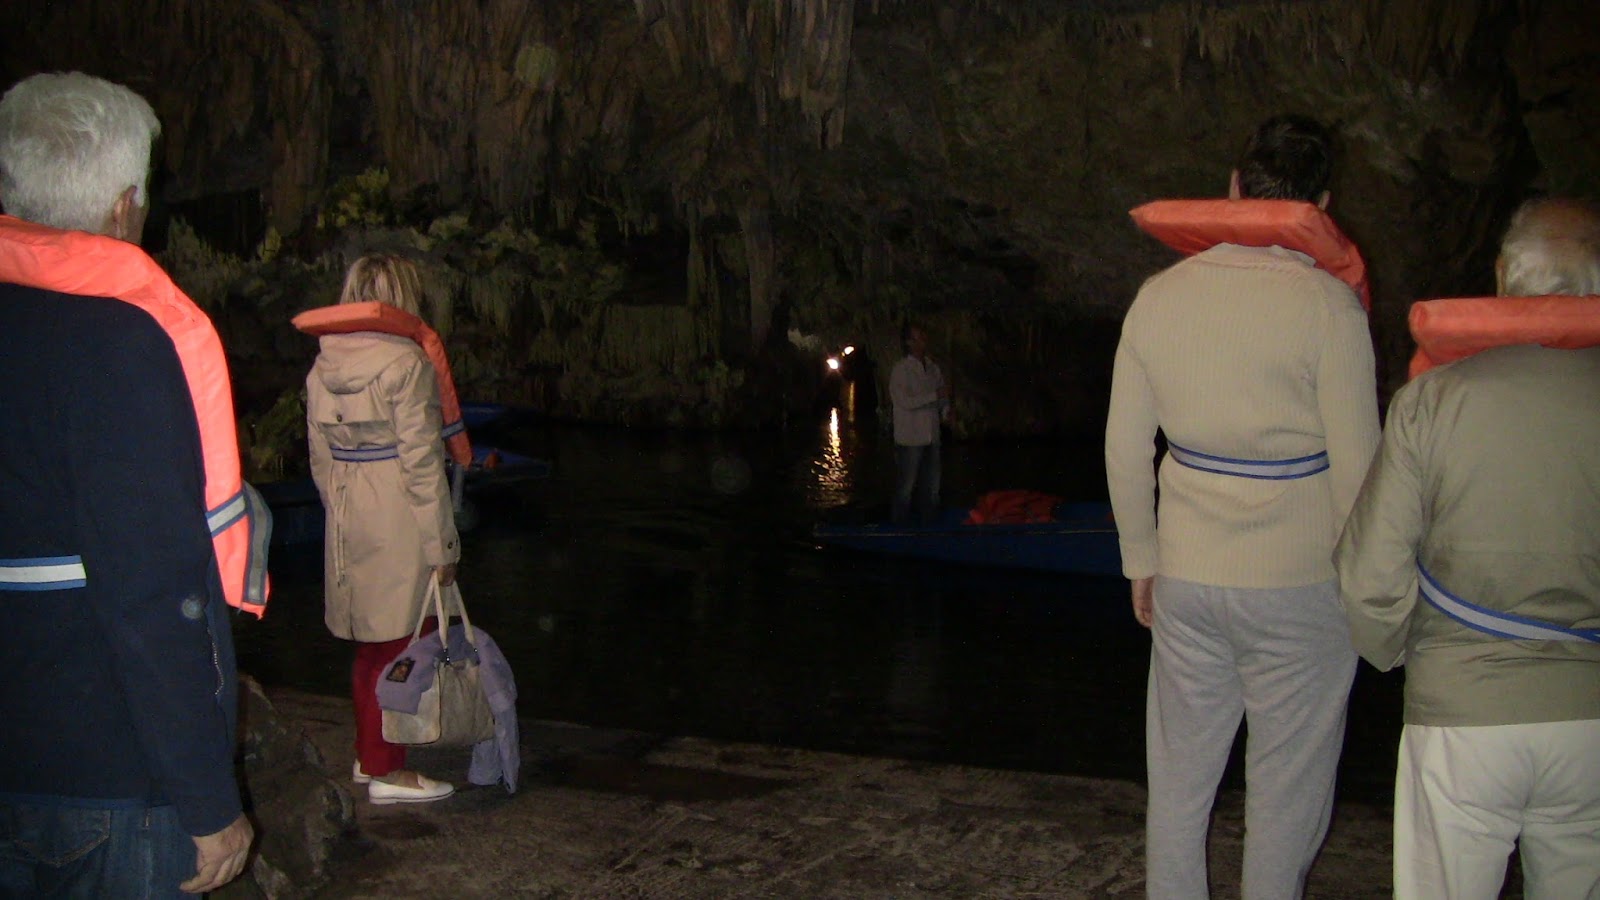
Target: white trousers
1464,795
1280,658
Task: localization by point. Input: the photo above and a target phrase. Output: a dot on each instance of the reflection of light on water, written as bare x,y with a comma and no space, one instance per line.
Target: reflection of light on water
831,481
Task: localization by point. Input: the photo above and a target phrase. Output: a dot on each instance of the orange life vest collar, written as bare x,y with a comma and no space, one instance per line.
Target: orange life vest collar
1191,226
1451,329
349,318
92,265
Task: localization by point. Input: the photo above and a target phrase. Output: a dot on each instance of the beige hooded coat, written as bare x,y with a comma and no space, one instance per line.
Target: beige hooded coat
389,521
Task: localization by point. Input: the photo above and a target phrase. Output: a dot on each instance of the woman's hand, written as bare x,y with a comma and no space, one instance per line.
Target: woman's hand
446,574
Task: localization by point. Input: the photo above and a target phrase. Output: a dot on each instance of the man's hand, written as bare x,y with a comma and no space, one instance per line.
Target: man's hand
1144,600
220,857
447,574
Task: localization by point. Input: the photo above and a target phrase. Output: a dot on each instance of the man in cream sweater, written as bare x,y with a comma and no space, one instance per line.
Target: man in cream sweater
1258,368
1473,558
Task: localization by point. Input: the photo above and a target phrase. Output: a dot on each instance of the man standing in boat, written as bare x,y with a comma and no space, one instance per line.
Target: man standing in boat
921,402
1472,557
1256,364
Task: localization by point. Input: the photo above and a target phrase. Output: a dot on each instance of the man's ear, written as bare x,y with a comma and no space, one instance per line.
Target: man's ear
1233,185
124,216
1322,202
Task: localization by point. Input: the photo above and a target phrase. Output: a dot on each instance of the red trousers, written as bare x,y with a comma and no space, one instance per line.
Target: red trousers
376,755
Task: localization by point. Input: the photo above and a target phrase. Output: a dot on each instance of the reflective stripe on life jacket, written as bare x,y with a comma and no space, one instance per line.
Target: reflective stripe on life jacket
92,265
42,573
1190,226
1268,469
1494,622
348,318
1452,329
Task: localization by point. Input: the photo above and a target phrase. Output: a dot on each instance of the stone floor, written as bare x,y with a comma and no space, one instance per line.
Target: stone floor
606,814
613,815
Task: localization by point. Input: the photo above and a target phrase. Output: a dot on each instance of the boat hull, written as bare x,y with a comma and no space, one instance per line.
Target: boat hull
1081,540
297,516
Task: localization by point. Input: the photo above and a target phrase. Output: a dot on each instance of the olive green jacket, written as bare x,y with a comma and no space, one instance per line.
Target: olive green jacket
1489,475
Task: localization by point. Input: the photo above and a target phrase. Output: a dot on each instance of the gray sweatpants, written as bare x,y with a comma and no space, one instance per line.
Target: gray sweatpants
1281,657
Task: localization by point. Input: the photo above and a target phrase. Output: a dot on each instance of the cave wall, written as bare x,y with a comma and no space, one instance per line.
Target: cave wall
834,166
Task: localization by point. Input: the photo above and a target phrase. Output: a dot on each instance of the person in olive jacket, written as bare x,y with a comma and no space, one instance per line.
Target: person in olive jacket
378,459
1472,558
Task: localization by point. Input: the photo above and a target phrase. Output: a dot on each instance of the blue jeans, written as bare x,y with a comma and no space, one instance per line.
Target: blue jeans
916,483
74,852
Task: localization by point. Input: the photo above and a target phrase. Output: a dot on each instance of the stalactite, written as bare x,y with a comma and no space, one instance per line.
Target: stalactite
697,112
760,255
1416,35
791,50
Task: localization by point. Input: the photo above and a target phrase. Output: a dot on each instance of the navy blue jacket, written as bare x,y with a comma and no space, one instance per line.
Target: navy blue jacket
122,692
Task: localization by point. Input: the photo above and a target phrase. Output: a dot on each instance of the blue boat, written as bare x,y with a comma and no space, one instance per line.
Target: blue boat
1081,538
477,415
297,516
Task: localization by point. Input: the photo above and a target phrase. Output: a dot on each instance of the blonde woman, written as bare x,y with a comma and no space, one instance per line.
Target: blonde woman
378,459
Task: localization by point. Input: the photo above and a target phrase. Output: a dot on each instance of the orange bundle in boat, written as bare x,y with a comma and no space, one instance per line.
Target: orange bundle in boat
1014,507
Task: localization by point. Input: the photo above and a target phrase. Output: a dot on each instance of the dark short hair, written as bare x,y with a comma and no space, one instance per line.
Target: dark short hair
1287,158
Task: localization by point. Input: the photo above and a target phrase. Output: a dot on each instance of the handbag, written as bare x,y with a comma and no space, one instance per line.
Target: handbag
451,707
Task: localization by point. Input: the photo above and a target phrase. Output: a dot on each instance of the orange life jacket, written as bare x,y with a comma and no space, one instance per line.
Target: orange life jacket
348,318
1452,329
1190,226
92,265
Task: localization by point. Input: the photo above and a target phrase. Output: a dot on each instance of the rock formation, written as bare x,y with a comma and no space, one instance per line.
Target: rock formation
626,207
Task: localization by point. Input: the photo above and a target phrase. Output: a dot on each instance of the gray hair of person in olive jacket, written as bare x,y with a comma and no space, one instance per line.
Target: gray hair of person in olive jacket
1551,247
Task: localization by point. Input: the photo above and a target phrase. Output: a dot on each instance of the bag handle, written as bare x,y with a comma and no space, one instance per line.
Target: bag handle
454,590
422,613
436,594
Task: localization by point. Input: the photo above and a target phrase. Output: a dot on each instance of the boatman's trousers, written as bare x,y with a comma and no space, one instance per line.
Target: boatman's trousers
1280,658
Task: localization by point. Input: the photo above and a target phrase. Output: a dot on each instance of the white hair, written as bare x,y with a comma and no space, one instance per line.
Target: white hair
70,144
1551,247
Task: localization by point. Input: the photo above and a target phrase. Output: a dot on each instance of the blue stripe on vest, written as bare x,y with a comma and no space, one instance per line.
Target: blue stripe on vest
1494,622
43,573
1268,469
365,454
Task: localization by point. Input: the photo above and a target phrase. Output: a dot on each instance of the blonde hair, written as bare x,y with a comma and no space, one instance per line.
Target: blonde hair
387,279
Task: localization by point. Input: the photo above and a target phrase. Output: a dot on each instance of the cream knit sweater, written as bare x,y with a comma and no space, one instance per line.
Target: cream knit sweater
1248,353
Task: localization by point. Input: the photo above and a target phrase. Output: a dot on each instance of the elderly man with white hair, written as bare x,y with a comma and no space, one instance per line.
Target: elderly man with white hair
1472,557
117,694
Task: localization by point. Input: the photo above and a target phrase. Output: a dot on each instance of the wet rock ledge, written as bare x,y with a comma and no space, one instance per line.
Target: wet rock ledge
605,813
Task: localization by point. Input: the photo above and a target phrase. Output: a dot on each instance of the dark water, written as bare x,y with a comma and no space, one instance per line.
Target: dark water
667,582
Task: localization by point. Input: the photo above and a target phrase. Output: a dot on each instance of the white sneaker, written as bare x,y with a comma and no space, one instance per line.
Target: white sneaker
358,776
426,791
